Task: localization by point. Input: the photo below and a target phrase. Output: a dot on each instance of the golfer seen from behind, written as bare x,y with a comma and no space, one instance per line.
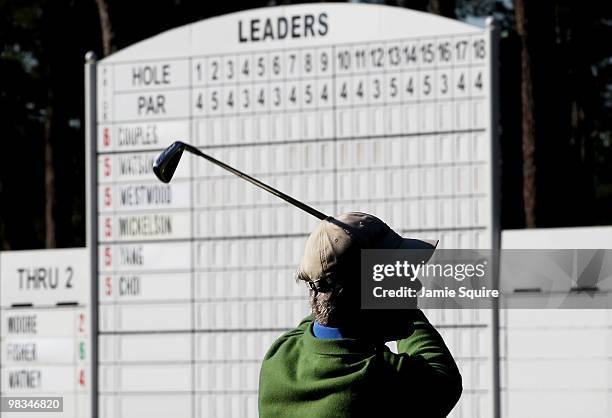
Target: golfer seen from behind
335,363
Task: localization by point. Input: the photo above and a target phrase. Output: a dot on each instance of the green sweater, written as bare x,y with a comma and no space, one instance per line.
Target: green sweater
303,376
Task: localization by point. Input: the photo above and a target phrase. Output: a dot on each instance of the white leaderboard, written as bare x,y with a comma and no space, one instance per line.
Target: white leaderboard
45,323
346,107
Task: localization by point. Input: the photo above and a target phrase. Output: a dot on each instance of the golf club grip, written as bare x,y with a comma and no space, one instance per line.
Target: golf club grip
258,183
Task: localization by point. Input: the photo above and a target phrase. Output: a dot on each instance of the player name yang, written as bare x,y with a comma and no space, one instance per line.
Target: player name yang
283,27
132,255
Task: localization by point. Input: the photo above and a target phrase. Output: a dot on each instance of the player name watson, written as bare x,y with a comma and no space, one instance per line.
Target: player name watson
426,293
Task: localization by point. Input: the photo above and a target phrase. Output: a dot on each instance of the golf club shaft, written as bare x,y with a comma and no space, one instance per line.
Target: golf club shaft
257,183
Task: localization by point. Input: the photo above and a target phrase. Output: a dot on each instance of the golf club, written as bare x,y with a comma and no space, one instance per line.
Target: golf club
165,165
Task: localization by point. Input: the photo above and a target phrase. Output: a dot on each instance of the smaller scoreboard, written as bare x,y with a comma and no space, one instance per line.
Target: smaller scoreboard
45,338
555,361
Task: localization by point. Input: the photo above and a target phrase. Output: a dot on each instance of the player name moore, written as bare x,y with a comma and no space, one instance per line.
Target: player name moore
282,27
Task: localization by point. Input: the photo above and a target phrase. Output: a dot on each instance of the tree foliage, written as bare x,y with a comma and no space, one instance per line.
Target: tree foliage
43,43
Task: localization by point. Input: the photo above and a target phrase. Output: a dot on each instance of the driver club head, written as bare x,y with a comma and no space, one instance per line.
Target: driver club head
165,164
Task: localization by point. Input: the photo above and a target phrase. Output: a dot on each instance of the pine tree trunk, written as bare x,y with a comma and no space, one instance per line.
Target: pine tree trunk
443,7
105,27
528,121
50,241
4,244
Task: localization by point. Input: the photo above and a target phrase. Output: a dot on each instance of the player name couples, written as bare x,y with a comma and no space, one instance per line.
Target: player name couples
446,293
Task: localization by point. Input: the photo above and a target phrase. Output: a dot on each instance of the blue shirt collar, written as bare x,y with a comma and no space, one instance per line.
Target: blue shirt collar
324,332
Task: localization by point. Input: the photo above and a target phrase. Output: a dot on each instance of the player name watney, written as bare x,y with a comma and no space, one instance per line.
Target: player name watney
150,256
24,379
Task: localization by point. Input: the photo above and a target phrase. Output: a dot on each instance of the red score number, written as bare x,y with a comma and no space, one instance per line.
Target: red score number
107,196
106,137
108,227
108,286
81,323
108,256
107,167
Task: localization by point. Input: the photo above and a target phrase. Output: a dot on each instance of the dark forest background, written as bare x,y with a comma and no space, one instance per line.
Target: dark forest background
555,86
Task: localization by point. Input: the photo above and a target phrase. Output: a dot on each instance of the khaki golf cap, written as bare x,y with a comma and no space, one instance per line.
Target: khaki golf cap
337,241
